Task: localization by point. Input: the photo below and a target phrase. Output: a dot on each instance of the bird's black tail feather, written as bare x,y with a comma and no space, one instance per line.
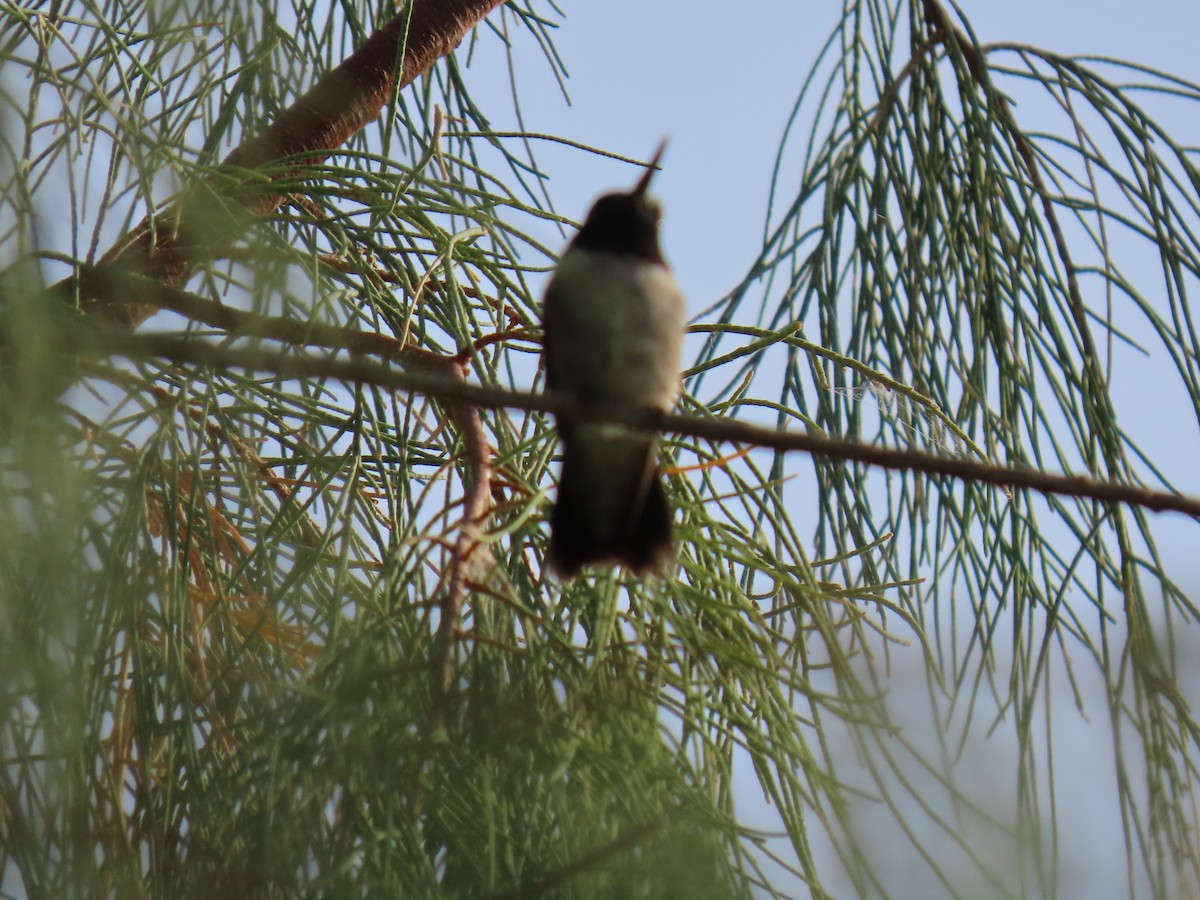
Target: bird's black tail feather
610,513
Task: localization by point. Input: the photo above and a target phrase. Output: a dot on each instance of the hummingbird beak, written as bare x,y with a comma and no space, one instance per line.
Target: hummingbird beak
639,189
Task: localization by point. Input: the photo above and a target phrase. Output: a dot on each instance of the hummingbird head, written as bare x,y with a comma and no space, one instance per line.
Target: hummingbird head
625,222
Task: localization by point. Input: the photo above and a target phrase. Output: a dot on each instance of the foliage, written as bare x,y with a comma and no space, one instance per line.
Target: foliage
255,640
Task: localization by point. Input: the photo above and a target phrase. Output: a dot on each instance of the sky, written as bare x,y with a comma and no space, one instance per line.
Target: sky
720,81
720,87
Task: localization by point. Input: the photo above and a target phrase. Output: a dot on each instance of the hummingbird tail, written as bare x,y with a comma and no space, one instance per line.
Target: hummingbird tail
610,513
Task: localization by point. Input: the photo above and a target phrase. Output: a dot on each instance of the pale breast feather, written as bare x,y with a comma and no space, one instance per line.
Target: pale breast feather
615,330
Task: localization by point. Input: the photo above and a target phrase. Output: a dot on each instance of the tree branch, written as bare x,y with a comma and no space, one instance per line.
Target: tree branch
193,351
166,246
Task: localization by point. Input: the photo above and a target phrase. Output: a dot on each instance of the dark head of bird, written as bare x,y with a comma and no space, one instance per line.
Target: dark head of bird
625,222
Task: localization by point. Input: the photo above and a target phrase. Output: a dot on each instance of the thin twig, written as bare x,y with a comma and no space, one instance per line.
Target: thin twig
476,507
361,371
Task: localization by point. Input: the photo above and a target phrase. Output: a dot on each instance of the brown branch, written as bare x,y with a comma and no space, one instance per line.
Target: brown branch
167,246
114,285
360,371
476,506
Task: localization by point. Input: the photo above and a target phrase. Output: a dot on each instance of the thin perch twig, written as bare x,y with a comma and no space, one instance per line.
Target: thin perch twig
198,352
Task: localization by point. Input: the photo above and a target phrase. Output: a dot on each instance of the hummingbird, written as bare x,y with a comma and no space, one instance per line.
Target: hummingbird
613,321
